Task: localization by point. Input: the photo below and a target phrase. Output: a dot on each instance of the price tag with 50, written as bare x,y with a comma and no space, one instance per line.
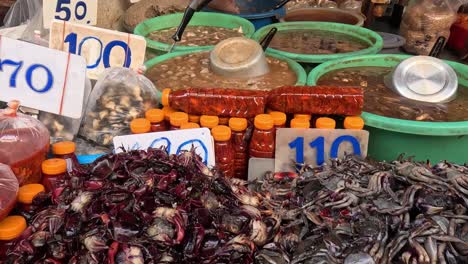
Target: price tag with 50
175,141
78,11
102,48
316,146
44,79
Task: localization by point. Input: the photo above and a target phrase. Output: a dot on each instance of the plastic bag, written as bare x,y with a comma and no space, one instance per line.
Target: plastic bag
21,12
24,143
35,31
8,190
424,21
120,95
64,128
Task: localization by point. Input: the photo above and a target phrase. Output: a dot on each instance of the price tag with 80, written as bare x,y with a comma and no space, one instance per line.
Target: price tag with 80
78,11
316,146
102,48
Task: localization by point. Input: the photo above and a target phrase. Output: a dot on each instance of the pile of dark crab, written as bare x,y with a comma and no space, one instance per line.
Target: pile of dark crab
151,207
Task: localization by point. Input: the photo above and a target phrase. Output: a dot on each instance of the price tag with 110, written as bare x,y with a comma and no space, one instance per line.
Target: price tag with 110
78,11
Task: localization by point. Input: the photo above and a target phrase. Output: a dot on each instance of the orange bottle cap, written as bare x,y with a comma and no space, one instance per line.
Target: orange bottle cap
54,166
167,112
63,148
325,123
209,121
305,116
353,122
178,118
300,123
140,126
224,121
12,227
165,96
238,124
279,118
155,115
264,122
189,125
194,119
221,133
26,193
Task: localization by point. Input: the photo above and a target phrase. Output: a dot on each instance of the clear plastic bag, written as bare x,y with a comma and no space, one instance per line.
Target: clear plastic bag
425,21
21,12
24,143
120,95
8,190
64,128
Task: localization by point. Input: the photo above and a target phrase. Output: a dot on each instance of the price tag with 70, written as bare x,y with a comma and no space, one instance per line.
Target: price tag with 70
316,146
102,48
78,11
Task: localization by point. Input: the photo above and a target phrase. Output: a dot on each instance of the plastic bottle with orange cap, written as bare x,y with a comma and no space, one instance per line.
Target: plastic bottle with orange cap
189,125
262,143
209,121
140,126
53,170
10,229
156,118
224,152
26,195
240,143
66,150
177,119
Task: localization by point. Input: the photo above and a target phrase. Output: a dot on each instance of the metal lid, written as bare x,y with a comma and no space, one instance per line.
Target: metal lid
424,78
392,41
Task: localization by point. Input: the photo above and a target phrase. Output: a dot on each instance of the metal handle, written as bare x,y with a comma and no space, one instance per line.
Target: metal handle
435,52
194,6
280,5
265,42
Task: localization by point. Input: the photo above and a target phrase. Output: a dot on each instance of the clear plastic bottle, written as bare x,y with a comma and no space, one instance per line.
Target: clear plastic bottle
209,121
300,123
240,144
223,150
156,118
325,123
353,122
262,144
10,229
24,144
140,126
52,171
66,150
177,119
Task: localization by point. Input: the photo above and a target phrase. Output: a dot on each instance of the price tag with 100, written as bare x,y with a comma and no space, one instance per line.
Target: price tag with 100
78,11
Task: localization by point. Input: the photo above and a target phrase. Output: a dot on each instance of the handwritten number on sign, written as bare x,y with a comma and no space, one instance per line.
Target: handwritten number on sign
298,144
62,9
29,75
85,9
338,141
319,144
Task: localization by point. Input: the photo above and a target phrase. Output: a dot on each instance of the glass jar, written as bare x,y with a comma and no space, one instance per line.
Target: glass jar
53,170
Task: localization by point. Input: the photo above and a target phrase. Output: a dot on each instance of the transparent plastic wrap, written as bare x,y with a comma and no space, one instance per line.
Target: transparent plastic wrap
352,5
24,143
321,100
8,190
35,31
64,128
216,102
120,95
424,21
21,12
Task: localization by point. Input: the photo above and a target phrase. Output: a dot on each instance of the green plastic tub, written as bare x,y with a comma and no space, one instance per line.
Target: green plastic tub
296,67
390,137
199,19
374,40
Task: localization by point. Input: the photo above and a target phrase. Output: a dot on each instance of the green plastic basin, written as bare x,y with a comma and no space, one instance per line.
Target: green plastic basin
199,19
373,39
390,137
296,67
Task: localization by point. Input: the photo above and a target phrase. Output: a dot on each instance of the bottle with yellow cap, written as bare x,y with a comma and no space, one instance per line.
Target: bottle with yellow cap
167,113
300,123
140,126
240,144
279,119
177,119
189,125
156,118
209,121
325,123
53,170
66,150
224,153
262,144
26,194
10,229
194,119
353,122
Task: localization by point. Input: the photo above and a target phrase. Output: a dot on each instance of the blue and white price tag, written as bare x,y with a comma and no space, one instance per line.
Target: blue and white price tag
316,146
78,11
102,48
175,141
48,80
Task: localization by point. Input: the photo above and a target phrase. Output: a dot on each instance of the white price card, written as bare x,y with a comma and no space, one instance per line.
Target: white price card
175,141
41,78
316,146
78,11
102,48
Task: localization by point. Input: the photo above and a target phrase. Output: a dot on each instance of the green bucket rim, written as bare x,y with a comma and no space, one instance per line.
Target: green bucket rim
199,19
372,38
296,67
395,124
